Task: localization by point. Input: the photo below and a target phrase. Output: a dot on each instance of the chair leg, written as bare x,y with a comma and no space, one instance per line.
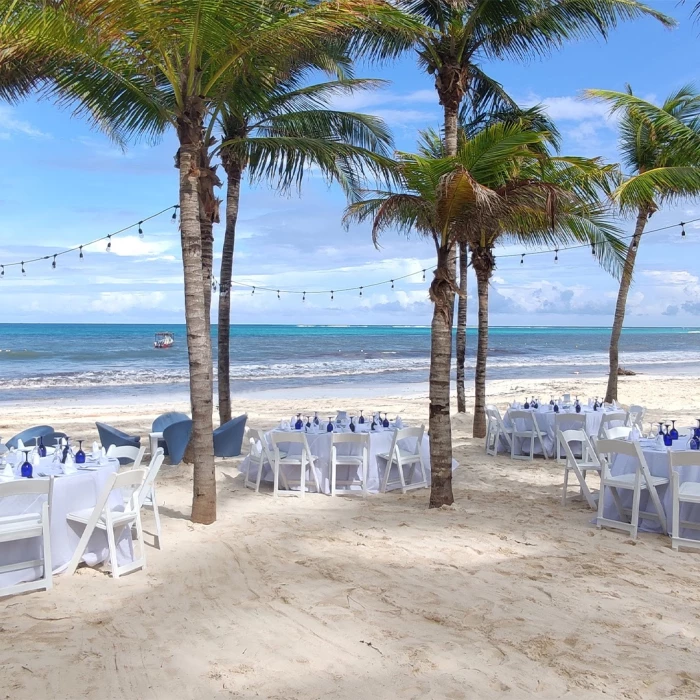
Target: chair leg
46,541
601,502
261,466
385,478
113,550
402,477
141,541
334,468
566,484
156,513
80,549
302,478
275,479
675,523
634,521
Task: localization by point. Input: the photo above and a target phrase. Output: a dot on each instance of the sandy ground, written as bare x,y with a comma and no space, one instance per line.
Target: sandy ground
506,594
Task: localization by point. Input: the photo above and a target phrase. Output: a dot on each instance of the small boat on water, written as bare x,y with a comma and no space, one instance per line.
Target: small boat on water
164,340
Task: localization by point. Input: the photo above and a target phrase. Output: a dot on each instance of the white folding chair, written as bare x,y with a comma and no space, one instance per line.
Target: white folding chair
34,523
589,462
495,429
567,422
127,453
635,417
611,419
683,492
357,466
108,517
304,461
147,492
259,456
620,432
401,457
532,433
638,481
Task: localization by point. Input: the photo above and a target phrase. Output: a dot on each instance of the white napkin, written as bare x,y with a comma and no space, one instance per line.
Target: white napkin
398,422
35,459
96,450
69,467
20,445
8,472
635,435
104,452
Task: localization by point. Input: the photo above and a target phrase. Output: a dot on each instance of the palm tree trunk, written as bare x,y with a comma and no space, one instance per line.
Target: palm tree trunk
442,293
483,264
451,110
625,282
207,227
234,173
198,338
462,328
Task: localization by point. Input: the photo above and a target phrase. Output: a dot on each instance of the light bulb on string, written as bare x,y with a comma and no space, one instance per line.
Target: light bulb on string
109,242
392,284
278,294
2,270
303,296
173,218
53,264
522,258
682,230
253,292
360,291
24,272
140,230
81,253
331,295
423,275
213,284
556,255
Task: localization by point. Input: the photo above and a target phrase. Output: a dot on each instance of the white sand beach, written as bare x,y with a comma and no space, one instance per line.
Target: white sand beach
505,594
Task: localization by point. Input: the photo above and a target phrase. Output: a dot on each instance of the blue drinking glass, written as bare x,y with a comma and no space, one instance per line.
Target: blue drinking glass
674,432
26,469
385,422
578,407
661,428
41,447
556,408
80,455
329,427
308,423
316,420
696,431
352,425
299,422
526,405
361,419
694,443
668,440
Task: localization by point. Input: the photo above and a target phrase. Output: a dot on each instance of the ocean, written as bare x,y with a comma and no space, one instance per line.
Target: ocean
72,361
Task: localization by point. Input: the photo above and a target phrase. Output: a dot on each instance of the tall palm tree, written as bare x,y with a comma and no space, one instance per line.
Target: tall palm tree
279,133
660,148
462,34
146,67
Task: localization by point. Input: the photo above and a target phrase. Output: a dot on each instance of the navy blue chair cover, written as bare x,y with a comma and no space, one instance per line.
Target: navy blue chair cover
112,436
28,434
228,438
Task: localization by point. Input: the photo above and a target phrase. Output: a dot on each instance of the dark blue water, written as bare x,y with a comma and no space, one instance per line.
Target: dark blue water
88,359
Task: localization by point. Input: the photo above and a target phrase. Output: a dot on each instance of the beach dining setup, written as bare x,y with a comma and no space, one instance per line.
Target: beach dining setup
649,480
61,506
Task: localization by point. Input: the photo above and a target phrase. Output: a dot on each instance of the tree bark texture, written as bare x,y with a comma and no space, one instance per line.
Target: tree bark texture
625,282
442,294
462,328
198,337
483,263
234,174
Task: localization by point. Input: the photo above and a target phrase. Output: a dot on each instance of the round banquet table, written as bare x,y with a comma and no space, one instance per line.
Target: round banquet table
320,446
659,465
71,492
545,417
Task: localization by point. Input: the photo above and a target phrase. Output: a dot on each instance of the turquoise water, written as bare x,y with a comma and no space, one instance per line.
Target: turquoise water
67,359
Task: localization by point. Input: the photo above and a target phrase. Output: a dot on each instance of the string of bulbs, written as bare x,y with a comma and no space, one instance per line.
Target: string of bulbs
304,293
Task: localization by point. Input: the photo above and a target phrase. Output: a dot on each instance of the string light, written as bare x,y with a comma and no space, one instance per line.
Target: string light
522,258
278,294
392,284
24,272
556,255
213,284
682,230
423,275
53,264
2,270
140,230
253,292
360,291
109,243
331,295
173,218
303,296
81,253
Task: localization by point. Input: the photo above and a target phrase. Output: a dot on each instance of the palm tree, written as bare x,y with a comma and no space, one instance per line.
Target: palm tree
661,149
462,34
277,134
145,67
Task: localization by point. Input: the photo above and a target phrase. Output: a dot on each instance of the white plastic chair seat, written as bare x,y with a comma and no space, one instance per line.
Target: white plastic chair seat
349,459
628,480
689,491
118,517
14,527
406,455
296,460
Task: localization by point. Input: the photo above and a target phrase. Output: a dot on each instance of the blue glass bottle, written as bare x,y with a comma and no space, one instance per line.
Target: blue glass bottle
674,432
299,422
41,447
80,455
329,427
26,469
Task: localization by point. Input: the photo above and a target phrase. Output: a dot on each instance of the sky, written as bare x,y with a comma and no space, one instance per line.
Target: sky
64,183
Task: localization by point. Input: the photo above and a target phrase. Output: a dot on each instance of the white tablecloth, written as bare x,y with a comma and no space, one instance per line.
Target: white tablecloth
545,417
70,493
320,445
659,465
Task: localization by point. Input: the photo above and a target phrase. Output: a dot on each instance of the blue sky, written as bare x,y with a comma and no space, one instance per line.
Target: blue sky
64,183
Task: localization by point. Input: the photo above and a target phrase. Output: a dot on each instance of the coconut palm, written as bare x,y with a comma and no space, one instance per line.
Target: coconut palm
145,67
501,186
462,34
660,148
278,133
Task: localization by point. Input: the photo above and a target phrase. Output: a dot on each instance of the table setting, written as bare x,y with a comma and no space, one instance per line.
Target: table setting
319,430
79,478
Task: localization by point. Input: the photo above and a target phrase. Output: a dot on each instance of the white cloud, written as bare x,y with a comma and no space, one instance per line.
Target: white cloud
133,246
117,302
11,124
